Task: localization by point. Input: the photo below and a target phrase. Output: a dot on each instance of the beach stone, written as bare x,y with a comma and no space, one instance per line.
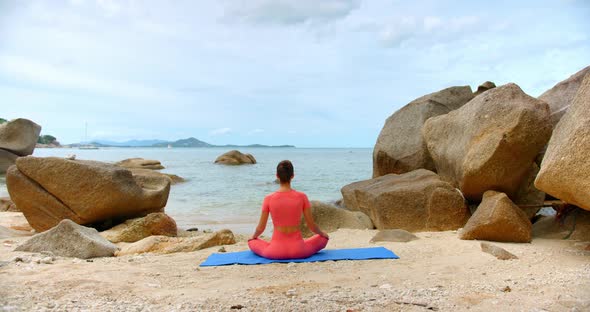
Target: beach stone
7,159
528,194
132,230
395,235
484,87
140,163
235,157
68,239
7,205
490,142
562,94
19,136
48,190
15,221
413,201
498,252
498,219
565,167
166,245
400,147
174,179
330,218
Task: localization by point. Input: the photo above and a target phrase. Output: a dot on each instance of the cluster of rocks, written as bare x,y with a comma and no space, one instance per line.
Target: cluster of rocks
64,200
18,138
453,151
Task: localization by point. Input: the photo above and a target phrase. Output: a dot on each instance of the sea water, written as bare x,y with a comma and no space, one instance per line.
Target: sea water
218,196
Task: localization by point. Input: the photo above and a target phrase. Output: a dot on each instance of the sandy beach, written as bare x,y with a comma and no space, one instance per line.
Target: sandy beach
436,272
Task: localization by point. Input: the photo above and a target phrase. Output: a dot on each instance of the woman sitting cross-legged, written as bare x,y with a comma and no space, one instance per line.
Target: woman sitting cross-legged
285,207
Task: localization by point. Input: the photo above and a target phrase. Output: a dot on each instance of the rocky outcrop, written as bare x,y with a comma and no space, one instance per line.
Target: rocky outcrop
165,244
498,252
7,159
140,163
7,205
400,147
133,230
69,239
330,218
562,94
19,136
484,87
490,142
235,157
396,235
48,190
414,201
528,196
566,166
498,219
15,221
174,179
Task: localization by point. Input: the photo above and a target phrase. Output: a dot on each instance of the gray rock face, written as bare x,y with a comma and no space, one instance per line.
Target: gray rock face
330,218
562,94
396,235
48,190
490,143
498,252
19,136
234,158
69,239
413,201
400,147
566,166
498,219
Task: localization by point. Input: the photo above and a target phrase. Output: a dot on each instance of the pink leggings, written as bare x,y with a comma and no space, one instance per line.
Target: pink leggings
287,246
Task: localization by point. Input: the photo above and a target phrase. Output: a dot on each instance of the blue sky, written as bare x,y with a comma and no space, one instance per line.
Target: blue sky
312,73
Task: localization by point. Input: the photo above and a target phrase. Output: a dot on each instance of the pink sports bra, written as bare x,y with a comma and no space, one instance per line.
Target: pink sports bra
286,207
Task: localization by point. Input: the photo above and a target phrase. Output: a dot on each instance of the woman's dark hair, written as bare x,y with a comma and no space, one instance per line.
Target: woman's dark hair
285,171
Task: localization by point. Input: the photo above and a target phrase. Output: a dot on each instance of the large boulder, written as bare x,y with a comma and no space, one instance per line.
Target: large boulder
132,230
484,87
498,219
490,143
562,94
7,159
165,244
330,218
174,179
48,190
566,166
69,239
235,157
140,163
413,201
19,136
400,147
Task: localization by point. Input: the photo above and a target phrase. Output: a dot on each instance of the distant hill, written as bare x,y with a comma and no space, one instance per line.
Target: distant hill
190,142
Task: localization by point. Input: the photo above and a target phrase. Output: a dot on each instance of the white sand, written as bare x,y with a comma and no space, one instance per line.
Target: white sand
436,272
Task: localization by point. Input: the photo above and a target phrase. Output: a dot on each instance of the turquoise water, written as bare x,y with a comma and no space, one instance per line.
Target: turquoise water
217,196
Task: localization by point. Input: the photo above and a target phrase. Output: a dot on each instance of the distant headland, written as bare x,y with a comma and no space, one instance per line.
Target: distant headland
189,142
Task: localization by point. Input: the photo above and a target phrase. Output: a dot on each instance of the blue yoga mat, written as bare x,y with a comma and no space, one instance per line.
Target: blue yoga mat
248,257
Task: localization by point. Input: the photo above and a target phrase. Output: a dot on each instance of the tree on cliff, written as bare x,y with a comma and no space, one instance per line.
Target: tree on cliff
46,139
2,120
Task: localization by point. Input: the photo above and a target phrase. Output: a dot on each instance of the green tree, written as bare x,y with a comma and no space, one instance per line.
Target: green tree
46,139
2,120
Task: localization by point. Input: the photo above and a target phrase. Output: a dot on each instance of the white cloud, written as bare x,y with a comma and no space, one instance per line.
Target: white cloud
255,131
220,131
288,12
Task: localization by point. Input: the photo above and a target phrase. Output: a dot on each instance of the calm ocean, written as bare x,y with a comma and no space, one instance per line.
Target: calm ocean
218,196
